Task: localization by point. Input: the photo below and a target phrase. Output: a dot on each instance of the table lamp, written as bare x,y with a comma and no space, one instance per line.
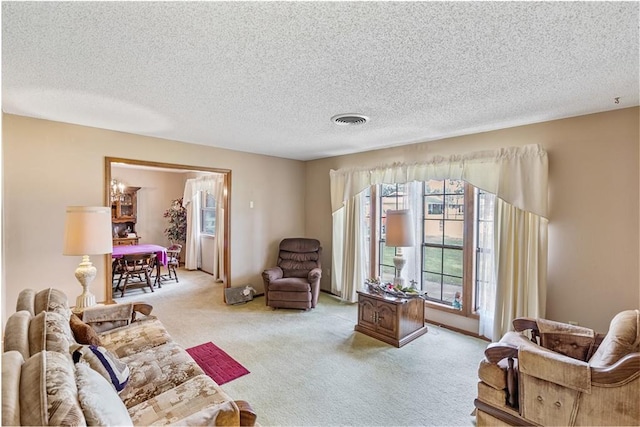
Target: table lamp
399,234
87,231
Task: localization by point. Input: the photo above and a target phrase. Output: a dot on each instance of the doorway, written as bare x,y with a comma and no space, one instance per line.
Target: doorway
118,163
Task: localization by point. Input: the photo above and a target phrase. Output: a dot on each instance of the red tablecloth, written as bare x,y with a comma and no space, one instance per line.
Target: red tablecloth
161,251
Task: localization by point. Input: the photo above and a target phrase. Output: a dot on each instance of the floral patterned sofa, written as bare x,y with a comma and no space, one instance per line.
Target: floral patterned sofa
110,368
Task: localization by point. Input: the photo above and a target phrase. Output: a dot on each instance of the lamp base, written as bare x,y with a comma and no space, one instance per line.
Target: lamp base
85,273
399,262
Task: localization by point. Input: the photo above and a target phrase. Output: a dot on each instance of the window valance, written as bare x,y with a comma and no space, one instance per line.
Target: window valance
204,183
517,175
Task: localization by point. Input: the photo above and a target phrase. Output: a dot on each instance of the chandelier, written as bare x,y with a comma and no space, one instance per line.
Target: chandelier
117,189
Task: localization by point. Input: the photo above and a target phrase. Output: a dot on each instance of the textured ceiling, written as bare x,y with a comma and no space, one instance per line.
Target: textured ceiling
266,77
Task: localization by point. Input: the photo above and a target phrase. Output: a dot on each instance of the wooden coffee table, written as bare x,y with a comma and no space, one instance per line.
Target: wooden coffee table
393,320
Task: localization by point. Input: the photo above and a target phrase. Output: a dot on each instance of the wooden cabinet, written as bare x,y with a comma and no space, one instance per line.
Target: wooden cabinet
395,321
124,211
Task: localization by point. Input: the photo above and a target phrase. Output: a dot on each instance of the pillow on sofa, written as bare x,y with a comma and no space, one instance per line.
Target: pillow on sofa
100,404
83,333
105,363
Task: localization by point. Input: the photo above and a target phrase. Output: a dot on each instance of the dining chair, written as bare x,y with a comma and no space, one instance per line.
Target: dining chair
137,266
173,260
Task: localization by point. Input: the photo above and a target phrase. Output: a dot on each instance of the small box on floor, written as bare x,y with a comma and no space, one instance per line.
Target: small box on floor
239,295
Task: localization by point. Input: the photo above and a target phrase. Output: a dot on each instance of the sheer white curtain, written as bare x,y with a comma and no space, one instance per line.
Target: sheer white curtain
518,177
192,201
350,252
485,264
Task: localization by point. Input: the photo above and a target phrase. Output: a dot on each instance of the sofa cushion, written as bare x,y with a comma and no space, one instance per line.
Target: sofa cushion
100,404
11,367
105,363
26,300
51,300
198,401
139,336
48,391
83,333
16,333
49,331
157,370
623,338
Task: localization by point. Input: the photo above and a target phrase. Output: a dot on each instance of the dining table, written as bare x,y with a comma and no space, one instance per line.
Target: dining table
160,251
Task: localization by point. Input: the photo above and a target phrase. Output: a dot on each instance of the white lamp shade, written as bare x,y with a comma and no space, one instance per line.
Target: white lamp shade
399,228
87,231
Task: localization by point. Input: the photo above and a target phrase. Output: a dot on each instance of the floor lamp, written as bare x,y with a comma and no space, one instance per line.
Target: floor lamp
87,232
399,234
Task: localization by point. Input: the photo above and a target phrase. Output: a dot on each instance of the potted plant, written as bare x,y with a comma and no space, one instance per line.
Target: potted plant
176,232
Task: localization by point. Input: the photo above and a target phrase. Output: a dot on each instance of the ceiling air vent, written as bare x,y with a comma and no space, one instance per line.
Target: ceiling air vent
350,119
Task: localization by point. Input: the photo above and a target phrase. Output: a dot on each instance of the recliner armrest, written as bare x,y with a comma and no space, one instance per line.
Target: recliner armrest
271,274
620,373
314,274
496,351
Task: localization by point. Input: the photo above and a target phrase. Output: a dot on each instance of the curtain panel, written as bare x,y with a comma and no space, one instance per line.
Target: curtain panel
191,200
517,176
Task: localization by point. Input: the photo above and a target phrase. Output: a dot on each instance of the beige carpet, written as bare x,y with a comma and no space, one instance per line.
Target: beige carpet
312,368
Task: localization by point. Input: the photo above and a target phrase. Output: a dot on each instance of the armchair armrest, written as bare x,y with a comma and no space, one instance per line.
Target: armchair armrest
314,274
273,273
554,367
620,373
496,351
247,414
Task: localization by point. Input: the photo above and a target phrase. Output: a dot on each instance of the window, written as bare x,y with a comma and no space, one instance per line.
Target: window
208,214
449,236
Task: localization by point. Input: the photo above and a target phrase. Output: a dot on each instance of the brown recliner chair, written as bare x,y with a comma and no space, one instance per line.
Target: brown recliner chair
295,282
565,375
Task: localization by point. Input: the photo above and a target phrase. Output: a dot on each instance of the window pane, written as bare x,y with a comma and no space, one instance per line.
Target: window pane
454,186
432,259
432,284
434,187
433,231
208,221
386,254
452,264
434,207
455,207
387,274
451,285
453,233
209,201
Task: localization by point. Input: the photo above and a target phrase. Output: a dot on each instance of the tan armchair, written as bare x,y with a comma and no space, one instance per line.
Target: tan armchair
564,375
295,281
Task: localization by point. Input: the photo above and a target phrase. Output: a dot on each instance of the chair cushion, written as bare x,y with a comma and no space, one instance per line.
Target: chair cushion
623,338
290,284
300,244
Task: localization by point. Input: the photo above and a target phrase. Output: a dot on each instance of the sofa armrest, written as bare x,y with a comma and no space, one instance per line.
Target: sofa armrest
496,351
247,414
272,274
103,318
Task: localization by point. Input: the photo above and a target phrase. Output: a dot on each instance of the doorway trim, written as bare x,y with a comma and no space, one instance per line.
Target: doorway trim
109,161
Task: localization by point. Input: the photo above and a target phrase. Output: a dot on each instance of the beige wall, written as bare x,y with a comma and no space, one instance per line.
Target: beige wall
594,254
50,165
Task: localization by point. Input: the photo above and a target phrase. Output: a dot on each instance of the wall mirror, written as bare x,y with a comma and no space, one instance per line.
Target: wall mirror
154,186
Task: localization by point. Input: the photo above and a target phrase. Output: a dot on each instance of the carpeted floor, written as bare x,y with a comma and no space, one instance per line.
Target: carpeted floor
312,369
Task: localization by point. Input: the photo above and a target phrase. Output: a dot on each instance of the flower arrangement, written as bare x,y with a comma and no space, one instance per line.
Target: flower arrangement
177,215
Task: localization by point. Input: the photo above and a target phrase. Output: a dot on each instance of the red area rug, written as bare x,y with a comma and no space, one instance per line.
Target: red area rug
221,367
